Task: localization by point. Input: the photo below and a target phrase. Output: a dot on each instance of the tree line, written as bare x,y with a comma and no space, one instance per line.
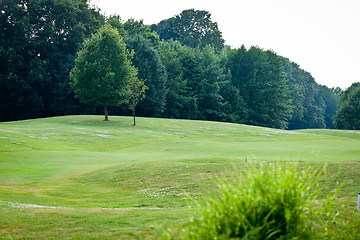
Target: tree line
187,69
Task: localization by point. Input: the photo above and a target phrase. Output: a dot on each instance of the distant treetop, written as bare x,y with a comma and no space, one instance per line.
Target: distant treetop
193,28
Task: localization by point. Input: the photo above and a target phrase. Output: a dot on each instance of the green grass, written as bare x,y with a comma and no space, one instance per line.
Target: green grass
114,180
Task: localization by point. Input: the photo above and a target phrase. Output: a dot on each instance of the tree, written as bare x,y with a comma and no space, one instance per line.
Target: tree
136,93
103,70
193,28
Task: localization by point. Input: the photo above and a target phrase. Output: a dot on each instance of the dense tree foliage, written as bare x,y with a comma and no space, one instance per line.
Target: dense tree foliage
308,106
181,65
258,75
189,72
38,44
330,96
348,114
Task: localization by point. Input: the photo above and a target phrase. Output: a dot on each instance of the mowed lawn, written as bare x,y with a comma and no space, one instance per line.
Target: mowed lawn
80,177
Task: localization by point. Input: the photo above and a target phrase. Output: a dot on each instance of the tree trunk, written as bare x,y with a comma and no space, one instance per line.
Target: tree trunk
106,113
134,116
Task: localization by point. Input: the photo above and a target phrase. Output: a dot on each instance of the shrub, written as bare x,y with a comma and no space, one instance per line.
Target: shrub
273,201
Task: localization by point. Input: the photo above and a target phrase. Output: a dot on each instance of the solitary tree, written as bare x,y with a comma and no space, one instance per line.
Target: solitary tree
136,92
103,70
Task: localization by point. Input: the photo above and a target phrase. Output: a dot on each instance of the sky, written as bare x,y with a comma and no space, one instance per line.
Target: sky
322,36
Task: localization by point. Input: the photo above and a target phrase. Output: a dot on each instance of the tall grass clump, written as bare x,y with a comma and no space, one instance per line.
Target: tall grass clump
273,201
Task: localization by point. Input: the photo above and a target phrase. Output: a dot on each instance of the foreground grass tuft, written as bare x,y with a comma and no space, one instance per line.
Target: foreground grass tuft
273,201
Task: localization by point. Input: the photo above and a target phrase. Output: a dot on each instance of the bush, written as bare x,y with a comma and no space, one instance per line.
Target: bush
274,201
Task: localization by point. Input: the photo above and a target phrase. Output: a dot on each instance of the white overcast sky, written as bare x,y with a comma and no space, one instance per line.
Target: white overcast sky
322,36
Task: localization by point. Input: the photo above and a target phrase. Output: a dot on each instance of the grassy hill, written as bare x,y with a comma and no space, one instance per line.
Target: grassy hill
81,177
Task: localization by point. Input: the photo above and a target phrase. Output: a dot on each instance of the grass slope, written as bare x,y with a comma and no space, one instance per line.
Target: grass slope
81,177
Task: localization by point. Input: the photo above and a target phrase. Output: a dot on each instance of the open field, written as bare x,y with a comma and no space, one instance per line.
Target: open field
80,177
